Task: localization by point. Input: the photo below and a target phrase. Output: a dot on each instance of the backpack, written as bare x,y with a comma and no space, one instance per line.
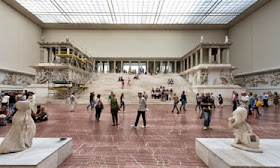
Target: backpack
114,104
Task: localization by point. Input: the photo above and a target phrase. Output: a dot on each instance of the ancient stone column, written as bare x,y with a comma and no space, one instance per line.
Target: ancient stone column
210,56
115,66
201,55
147,67
196,58
227,55
191,61
121,66
167,66
154,66
93,66
160,66
129,66
219,56
175,67
108,66
188,64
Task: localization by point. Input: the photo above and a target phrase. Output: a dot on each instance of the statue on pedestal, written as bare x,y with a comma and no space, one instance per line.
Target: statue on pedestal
245,139
22,130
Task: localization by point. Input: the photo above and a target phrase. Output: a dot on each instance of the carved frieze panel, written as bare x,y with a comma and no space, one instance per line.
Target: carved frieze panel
15,78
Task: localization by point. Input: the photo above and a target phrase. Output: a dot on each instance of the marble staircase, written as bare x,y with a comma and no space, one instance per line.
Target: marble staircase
105,83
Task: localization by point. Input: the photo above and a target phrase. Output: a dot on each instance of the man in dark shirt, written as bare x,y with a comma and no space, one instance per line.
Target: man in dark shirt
183,101
206,105
91,100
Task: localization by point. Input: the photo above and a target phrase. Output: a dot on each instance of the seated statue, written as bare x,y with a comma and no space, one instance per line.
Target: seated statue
22,130
245,139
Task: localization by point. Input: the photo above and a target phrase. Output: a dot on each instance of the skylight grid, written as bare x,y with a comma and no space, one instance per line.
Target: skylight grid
137,11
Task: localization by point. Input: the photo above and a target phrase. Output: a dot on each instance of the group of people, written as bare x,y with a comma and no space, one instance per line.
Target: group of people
170,81
115,107
8,109
161,92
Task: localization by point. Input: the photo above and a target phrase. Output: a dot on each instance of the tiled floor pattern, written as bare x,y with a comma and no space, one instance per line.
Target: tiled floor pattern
168,140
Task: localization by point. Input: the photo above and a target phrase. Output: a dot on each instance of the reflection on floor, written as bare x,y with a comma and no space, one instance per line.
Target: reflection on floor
168,139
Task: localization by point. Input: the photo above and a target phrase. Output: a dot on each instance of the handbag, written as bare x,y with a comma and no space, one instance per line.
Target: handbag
259,103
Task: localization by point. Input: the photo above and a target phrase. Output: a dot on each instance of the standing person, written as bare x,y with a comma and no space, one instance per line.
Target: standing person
128,81
110,96
5,100
220,100
250,103
254,105
26,93
171,94
183,101
99,106
234,101
122,102
200,99
244,100
197,98
175,98
141,110
122,84
91,100
276,100
206,105
145,96
213,99
265,99
114,110
72,102
12,101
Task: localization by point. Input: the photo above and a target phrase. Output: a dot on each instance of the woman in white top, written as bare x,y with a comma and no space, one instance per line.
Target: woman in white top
5,100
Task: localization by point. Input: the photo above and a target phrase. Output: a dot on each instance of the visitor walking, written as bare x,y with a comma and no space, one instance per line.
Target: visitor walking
276,100
99,107
175,98
141,110
220,100
91,101
114,110
72,102
183,101
122,102
206,108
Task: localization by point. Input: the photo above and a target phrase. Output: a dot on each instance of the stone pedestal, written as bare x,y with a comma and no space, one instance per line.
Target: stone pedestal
44,153
218,153
213,78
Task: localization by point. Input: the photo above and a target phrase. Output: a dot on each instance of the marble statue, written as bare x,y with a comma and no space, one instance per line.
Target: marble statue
245,139
21,132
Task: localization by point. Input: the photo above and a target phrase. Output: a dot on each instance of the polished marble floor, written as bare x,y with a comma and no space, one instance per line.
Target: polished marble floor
168,140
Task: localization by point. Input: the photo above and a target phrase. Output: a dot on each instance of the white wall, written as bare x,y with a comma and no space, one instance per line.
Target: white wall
256,40
136,43
18,44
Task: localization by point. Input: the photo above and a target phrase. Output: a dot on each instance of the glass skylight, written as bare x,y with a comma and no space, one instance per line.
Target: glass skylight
137,11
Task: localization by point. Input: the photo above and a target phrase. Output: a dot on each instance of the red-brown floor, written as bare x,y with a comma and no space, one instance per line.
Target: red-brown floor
168,140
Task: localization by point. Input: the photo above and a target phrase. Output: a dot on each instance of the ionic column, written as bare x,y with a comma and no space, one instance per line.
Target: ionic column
227,56
181,66
219,56
196,58
188,63
201,55
167,66
93,66
121,66
147,67
101,69
115,66
175,67
138,66
184,64
210,56
129,66
108,66
68,50
154,66
191,61
160,66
